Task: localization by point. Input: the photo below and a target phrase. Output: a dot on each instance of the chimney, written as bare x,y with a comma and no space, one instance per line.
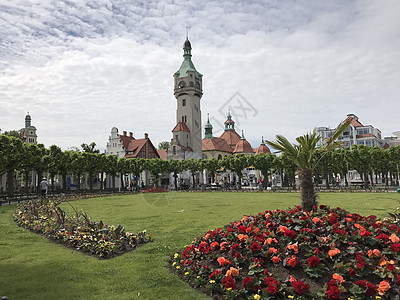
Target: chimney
130,134
124,132
146,135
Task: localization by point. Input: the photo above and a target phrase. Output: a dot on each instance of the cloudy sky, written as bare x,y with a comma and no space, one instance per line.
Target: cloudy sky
283,67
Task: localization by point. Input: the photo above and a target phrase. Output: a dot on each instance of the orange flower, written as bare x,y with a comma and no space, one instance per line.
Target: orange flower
222,246
292,279
383,261
272,250
316,220
248,229
293,247
282,228
376,252
383,287
214,244
394,238
339,278
276,259
232,272
333,252
222,261
360,227
270,240
243,237
244,219
257,231
268,215
292,261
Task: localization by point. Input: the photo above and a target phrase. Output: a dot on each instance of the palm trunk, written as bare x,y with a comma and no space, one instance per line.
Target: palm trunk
308,195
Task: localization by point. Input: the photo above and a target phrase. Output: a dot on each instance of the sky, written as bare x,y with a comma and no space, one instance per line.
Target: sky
282,67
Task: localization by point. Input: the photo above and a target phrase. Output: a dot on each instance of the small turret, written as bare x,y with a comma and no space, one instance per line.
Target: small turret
208,129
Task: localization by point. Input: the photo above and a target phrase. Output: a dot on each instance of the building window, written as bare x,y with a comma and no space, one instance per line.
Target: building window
197,124
174,150
196,108
183,102
183,118
363,131
219,156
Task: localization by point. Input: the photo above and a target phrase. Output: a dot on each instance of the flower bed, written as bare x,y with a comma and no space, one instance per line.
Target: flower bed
155,190
292,254
77,232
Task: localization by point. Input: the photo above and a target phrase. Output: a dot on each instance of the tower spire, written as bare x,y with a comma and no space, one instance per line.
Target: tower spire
243,138
208,128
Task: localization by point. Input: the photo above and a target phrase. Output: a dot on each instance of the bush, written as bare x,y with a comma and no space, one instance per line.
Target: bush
323,254
78,231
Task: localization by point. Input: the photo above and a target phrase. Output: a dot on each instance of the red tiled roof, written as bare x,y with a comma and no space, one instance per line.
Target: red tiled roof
364,135
243,146
162,153
262,149
126,140
216,144
181,126
353,122
135,146
231,137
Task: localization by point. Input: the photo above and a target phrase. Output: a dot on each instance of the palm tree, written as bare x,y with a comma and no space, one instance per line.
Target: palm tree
303,156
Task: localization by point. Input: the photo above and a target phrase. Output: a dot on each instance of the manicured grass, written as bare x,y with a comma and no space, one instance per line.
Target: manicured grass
32,267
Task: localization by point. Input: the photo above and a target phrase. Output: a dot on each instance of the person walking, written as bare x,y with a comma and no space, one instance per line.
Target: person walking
43,187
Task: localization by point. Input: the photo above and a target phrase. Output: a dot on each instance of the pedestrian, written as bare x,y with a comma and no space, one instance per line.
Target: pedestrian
43,187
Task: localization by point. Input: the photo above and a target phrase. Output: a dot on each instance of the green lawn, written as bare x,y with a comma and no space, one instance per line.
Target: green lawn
31,267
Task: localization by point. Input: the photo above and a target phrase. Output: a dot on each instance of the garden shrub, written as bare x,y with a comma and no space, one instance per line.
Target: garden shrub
292,254
78,231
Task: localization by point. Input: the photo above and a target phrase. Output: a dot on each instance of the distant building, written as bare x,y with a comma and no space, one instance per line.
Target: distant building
28,133
355,134
127,146
186,135
392,140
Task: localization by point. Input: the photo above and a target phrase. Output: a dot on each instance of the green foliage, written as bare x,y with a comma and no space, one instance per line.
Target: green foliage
163,145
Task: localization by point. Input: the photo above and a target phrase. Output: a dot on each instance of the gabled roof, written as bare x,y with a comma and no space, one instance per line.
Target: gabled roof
162,153
243,146
216,144
231,137
353,121
262,149
135,146
126,140
181,126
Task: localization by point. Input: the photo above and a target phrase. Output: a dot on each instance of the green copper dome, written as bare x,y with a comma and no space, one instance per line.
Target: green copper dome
187,64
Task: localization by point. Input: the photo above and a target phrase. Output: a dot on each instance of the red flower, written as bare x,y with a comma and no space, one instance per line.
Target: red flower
229,283
382,237
300,287
365,233
247,283
255,247
332,292
271,281
395,247
271,289
290,233
215,273
352,272
371,289
313,261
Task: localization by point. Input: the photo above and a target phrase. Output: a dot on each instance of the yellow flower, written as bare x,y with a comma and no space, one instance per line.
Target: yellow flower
290,297
229,289
198,277
178,267
256,297
350,299
187,273
212,281
174,263
176,255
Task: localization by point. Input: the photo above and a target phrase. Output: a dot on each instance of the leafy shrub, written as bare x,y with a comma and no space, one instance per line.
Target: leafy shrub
77,231
323,254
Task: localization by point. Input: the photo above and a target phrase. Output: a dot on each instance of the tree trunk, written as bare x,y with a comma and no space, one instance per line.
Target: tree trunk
308,195
102,181
78,186
345,180
91,182
176,181
64,181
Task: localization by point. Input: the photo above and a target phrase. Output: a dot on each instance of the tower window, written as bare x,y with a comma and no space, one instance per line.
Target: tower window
197,124
173,150
183,102
183,118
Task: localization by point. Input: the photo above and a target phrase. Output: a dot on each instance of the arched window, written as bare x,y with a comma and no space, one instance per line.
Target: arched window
219,156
